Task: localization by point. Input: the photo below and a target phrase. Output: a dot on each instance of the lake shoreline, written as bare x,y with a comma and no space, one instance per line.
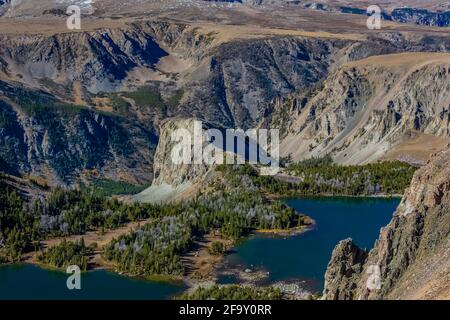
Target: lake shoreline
274,196
305,257
265,257
210,264
97,262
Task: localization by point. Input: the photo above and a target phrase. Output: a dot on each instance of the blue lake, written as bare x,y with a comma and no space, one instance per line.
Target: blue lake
31,282
302,257
305,257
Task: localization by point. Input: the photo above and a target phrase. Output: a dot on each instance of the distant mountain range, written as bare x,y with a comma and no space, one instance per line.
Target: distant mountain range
429,13
101,83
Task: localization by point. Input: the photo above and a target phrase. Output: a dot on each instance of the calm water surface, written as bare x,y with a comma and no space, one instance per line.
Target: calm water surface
303,257
31,282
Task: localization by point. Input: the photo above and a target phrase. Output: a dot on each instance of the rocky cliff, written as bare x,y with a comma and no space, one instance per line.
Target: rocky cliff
99,60
166,168
43,136
142,72
177,171
52,123
233,84
421,16
369,107
426,13
227,81
411,258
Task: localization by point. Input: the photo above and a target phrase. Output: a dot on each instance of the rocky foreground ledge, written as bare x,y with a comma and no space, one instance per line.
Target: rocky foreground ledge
411,258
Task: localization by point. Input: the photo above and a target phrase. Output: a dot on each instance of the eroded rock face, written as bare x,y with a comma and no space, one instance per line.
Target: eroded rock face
99,60
167,170
421,16
226,83
42,136
343,271
368,107
412,252
177,176
239,79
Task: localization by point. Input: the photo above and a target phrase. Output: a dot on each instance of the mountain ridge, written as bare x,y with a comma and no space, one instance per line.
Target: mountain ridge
411,253
373,103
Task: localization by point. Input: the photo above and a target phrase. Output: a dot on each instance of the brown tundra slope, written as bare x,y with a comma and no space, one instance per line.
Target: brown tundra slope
412,252
372,106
